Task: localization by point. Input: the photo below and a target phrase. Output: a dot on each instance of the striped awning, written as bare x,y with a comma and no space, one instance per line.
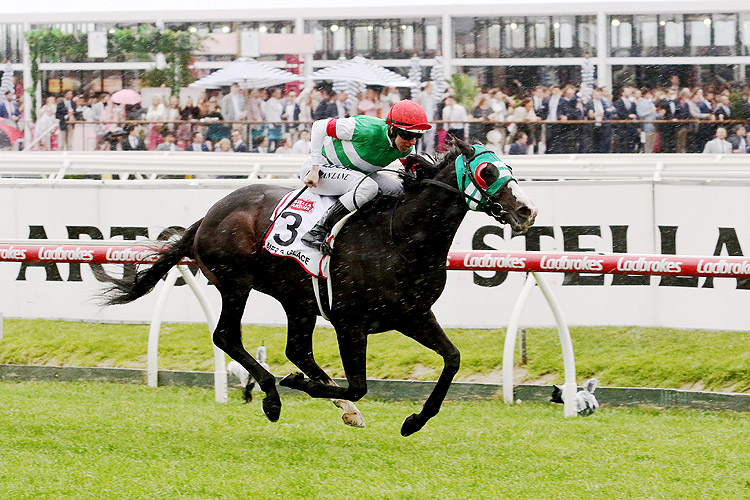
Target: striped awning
248,73
362,71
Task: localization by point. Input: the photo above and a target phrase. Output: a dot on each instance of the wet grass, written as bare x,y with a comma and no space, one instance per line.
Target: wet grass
90,441
618,356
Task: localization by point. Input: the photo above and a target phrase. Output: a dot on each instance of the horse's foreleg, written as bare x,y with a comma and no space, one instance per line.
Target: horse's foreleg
428,332
299,350
228,338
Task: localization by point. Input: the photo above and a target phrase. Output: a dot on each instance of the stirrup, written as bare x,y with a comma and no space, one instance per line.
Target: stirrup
315,237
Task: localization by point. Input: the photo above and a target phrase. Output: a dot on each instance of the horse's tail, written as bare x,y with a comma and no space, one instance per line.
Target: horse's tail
125,290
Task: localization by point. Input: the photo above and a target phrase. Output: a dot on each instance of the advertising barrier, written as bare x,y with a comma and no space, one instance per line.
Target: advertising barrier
653,223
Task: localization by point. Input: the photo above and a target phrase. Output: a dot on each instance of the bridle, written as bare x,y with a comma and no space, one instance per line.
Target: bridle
492,207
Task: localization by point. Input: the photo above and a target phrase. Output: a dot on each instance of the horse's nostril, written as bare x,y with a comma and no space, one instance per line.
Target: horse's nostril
525,212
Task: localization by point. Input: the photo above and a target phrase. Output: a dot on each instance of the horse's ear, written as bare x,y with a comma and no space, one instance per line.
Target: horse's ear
466,149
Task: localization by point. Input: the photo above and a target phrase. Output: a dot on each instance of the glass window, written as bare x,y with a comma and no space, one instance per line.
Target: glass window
361,38
647,31
564,34
540,38
515,35
339,37
725,30
621,33
674,33
493,40
384,39
407,37
432,37
699,28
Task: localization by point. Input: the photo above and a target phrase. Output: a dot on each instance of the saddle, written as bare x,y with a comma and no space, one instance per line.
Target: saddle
297,213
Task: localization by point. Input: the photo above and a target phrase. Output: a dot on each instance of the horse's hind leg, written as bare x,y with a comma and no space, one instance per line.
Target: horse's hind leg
299,350
228,337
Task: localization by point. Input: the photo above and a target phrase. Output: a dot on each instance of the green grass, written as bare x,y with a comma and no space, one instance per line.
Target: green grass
91,441
618,356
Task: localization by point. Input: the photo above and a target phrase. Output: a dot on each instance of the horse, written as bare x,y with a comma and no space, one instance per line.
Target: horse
388,268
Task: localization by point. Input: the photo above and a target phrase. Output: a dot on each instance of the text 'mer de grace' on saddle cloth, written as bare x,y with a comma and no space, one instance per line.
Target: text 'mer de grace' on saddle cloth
284,237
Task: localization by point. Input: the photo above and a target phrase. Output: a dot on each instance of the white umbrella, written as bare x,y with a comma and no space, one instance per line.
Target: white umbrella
248,73
415,75
6,83
437,75
362,71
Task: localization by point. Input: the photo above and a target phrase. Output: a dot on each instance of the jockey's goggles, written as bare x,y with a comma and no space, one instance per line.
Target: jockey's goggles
408,135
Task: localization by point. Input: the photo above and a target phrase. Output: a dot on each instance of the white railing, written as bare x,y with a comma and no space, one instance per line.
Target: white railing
148,165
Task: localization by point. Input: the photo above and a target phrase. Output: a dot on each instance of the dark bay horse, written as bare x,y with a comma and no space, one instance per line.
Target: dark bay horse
388,268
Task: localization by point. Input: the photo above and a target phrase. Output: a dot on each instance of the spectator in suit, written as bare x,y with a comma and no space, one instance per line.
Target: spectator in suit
553,138
697,136
9,108
600,109
718,145
66,110
198,144
238,145
233,106
723,111
665,108
706,131
260,145
133,142
738,140
570,108
626,135
519,146
326,108
646,110
682,112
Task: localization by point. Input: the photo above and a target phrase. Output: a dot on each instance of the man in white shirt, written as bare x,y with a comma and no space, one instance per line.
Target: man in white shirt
455,117
719,145
302,145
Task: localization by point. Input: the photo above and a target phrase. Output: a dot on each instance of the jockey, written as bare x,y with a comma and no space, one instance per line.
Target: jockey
347,154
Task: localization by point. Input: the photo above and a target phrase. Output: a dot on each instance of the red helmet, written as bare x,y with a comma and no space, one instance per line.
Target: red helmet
408,115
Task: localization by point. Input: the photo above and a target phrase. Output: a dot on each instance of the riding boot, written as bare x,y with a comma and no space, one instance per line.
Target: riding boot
316,236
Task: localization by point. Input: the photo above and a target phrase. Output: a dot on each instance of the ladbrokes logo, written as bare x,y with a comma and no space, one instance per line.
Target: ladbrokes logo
12,253
60,253
643,265
506,261
565,263
130,255
303,205
723,267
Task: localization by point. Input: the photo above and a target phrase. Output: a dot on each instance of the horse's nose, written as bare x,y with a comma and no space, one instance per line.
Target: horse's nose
527,212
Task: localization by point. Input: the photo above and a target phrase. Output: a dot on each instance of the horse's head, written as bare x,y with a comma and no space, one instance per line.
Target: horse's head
488,185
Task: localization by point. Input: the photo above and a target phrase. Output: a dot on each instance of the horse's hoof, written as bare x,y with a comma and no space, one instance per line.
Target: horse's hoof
411,424
293,380
354,419
271,408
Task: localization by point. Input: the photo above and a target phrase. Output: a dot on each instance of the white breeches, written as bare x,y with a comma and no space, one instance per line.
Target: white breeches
353,188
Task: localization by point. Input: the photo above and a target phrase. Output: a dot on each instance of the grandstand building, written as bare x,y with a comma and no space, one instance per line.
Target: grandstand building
500,42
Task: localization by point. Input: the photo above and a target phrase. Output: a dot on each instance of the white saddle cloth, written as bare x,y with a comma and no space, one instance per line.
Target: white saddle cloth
284,238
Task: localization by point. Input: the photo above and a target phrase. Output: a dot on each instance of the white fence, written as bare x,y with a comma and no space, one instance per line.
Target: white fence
54,166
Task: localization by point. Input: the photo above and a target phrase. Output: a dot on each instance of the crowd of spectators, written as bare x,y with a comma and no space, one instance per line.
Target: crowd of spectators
538,120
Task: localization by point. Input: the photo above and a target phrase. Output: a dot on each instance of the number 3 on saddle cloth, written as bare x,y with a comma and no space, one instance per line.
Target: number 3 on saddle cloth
290,221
